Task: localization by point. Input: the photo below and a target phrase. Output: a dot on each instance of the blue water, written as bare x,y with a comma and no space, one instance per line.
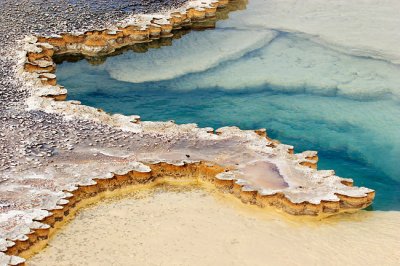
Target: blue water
304,94
247,109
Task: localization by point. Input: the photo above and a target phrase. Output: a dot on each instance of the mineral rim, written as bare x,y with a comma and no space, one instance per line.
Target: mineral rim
57,154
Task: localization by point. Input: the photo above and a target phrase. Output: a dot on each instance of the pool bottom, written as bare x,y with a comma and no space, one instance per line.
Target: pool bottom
171,226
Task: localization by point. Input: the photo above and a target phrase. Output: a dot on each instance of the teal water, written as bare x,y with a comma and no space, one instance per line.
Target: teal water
305,94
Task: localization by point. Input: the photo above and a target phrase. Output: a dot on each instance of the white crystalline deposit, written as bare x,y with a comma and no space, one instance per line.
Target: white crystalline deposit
74,110
143,20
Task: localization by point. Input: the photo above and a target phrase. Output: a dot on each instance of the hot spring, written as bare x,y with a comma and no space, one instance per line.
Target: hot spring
310,91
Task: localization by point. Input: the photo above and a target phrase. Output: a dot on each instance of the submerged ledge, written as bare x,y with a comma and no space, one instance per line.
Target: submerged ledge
247,164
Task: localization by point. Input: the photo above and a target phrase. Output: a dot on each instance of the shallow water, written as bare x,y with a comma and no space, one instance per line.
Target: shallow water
198,227
244,73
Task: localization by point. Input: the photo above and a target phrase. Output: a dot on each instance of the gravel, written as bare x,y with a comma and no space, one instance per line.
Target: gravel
31,138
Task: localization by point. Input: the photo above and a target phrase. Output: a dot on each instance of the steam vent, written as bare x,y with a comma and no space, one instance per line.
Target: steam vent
59,155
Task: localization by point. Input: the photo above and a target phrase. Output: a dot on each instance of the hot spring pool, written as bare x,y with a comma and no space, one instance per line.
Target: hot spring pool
305,92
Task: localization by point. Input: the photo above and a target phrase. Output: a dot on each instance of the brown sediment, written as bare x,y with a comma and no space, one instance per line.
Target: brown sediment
202,172
59,97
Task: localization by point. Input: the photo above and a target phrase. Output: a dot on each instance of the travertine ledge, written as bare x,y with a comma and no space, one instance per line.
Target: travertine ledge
45,226
248,164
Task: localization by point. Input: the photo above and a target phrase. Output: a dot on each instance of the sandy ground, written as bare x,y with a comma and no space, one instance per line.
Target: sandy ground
193,227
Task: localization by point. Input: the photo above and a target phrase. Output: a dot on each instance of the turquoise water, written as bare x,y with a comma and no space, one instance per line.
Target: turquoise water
305,94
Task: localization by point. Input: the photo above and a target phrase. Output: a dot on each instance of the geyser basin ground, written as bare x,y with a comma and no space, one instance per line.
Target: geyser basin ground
175,226
62,154
305,93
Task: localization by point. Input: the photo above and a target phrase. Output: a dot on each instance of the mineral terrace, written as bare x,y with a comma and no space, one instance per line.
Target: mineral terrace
57,154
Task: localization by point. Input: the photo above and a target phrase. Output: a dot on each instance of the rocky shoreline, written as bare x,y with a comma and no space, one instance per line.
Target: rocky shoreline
57,153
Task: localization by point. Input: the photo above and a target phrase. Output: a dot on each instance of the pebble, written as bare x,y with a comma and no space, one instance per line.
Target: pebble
35,133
